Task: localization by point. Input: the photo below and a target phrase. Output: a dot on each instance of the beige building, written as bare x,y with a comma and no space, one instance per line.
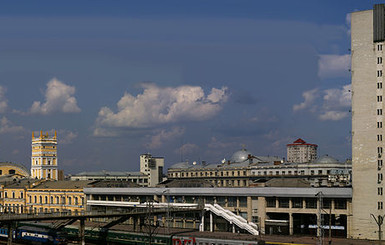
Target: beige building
44,162
152,167
367,48
56,196
301,152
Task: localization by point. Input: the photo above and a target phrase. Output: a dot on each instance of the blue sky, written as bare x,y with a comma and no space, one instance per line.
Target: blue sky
187,80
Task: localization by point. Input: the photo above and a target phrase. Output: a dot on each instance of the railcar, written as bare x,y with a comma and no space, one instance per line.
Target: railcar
33,234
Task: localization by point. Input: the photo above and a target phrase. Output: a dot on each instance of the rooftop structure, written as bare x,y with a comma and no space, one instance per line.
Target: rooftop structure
300,152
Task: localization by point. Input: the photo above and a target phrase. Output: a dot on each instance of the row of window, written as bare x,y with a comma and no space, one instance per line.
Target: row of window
59,200
299,202
210,173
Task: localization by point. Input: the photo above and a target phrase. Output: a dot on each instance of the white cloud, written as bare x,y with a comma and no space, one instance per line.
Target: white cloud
216,144
66,136
7,126
332,65
163,136
348,21
3,100
157,105
58,98
187,149
336,103
310,96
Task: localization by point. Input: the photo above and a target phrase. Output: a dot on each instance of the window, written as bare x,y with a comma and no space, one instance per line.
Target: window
380,205
312,172
379,73
13,194
379,124
379,191
319,171
311,202
340,203
379,177
296,202
326,203
379,60
69,200
379,47
35,199
379,98
30,199
46,199
5,194
21,195
379,164
379,137
379,111
379,150
283,202
379,85
270,202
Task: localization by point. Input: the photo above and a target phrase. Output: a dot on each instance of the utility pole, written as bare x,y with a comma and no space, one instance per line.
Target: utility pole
379,220
319,218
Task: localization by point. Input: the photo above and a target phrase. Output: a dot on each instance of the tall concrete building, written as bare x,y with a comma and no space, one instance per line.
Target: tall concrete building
44,157
301,152
153,167
368,136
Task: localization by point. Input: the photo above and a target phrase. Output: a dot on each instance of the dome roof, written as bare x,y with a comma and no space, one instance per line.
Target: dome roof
240,156
181,165
327,159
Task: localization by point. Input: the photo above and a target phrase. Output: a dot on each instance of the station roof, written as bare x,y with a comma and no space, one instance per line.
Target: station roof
328,192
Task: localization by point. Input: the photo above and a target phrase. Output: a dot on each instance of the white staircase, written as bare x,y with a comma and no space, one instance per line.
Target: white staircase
233,218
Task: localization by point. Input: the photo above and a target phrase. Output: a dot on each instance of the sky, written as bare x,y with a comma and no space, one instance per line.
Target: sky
184,80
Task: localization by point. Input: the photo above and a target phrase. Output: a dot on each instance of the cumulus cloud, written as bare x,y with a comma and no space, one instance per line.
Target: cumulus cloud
59,97
66,136
158,105
163,136
3,100
187,149
217,144
336,103
333,65
6,126
309,97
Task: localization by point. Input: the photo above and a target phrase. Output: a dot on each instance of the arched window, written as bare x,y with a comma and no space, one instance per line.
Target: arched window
51,200
57,200
41,199
46,199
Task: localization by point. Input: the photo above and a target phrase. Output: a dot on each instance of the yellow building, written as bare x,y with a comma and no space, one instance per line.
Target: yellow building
57,196
18,170
44,157
13,194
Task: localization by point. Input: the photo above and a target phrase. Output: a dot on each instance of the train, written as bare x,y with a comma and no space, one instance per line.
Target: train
40,232
33,234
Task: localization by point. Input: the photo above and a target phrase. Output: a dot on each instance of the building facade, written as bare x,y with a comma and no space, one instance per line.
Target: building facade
301,152
244,169
367,52
152,167
44,164
283,210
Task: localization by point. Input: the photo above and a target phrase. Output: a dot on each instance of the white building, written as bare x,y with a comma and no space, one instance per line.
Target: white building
300,152
367,49
151,173
152,167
